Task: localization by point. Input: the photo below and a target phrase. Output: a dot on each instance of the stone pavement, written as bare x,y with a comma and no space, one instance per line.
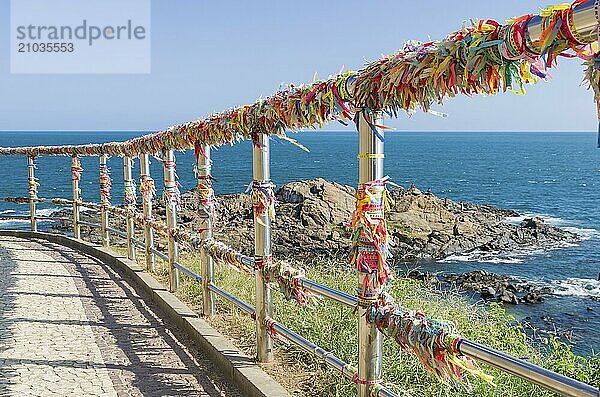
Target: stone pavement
70,326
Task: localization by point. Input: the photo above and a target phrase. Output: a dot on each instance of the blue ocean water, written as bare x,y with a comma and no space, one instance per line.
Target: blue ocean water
553,174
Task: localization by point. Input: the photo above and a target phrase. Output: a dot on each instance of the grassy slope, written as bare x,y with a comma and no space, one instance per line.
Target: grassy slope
333,327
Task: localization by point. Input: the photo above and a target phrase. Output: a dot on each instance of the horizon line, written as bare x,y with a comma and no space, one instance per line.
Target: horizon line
306,131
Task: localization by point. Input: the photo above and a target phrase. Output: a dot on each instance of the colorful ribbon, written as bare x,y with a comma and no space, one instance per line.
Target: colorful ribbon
76,168
33,183
370,239
485,58
105,185
207,202
263,200
171,194
434,343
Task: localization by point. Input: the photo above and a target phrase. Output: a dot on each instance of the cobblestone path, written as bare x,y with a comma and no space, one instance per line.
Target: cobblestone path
70,326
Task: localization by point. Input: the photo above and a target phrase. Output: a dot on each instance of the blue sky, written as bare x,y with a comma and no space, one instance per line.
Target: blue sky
210,55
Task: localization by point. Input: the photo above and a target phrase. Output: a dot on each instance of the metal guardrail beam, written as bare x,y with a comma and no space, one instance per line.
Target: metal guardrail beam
525,370
584,20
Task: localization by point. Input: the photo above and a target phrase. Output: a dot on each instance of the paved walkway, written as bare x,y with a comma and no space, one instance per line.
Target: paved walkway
70,326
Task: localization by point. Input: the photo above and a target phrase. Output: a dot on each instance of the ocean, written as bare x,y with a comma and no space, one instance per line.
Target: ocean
555,175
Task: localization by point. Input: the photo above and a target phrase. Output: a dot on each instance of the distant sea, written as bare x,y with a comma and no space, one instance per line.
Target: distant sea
555,175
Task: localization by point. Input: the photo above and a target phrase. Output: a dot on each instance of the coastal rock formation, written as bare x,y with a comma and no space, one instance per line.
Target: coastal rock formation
312,218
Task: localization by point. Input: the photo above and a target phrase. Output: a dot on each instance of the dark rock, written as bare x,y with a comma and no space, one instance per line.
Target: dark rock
509,297
532,297
488,293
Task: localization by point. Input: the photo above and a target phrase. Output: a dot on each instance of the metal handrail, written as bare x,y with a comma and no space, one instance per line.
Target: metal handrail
525,370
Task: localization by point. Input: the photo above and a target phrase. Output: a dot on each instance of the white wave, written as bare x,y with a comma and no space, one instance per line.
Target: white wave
484,257
581,287
46,211
586,234
515,220
13,223
5,212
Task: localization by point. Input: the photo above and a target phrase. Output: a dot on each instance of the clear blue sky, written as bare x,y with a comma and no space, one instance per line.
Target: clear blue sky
210,55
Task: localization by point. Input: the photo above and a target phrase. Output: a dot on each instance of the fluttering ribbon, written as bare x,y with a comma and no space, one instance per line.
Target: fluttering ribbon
286,277
76,168
32,183
263,199
370,242
207,202
105,185
147,187
171,193
221,252
433,342
129,192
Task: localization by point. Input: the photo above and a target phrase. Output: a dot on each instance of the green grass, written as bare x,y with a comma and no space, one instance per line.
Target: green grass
333,327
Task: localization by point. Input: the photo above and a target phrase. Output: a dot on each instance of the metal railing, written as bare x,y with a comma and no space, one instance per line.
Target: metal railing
367,375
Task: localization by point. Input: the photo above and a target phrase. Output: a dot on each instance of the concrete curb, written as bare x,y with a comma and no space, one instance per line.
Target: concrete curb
238,367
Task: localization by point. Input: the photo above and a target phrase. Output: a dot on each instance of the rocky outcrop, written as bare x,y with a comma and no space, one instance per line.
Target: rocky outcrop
312,217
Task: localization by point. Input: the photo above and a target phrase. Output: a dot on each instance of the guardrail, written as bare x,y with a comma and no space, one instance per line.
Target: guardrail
485,58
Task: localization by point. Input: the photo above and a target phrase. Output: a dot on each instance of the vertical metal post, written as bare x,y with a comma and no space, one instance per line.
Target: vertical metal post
129,204
75,172
370,168
32,188
171,206
206,220
262,250
147,209
104,201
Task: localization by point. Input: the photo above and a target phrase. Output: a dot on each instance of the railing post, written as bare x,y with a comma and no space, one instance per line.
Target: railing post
261,188
206,212
171,202
32,184
370,168
75,177
147,190
129,198
105,186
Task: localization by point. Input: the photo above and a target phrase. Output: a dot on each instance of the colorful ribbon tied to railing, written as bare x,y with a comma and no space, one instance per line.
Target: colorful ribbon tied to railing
76,168
147,187
286,277
435,343
171,193
221,252
370,239
263,200
105,185
207,202
32,182
129,193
